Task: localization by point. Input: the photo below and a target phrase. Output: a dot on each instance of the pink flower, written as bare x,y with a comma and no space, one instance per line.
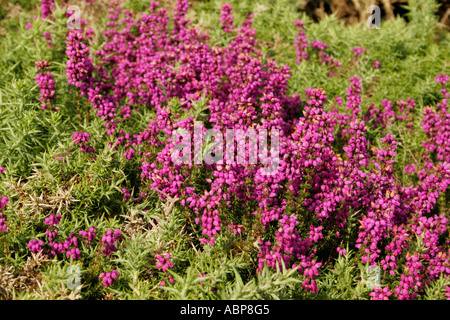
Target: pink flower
380,293
163,262
109,277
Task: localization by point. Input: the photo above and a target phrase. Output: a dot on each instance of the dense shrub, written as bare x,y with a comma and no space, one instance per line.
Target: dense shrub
88,120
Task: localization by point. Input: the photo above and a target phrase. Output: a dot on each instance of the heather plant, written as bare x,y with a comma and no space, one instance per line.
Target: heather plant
88,178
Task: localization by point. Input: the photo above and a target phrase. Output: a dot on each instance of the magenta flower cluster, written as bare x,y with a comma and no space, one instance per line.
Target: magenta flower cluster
436,124
45,82
380,293
35,245
320,182
164,262
80,139
89,235
109,277
359,51
110,240
301,45
47,7
3,202
79,65
53,220
70,246
226,17
126,195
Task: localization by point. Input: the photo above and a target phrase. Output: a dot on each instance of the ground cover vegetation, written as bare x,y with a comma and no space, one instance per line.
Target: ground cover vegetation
90,192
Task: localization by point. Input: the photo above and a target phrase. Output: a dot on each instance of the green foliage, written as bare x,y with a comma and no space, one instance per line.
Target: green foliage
342,280
27,5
